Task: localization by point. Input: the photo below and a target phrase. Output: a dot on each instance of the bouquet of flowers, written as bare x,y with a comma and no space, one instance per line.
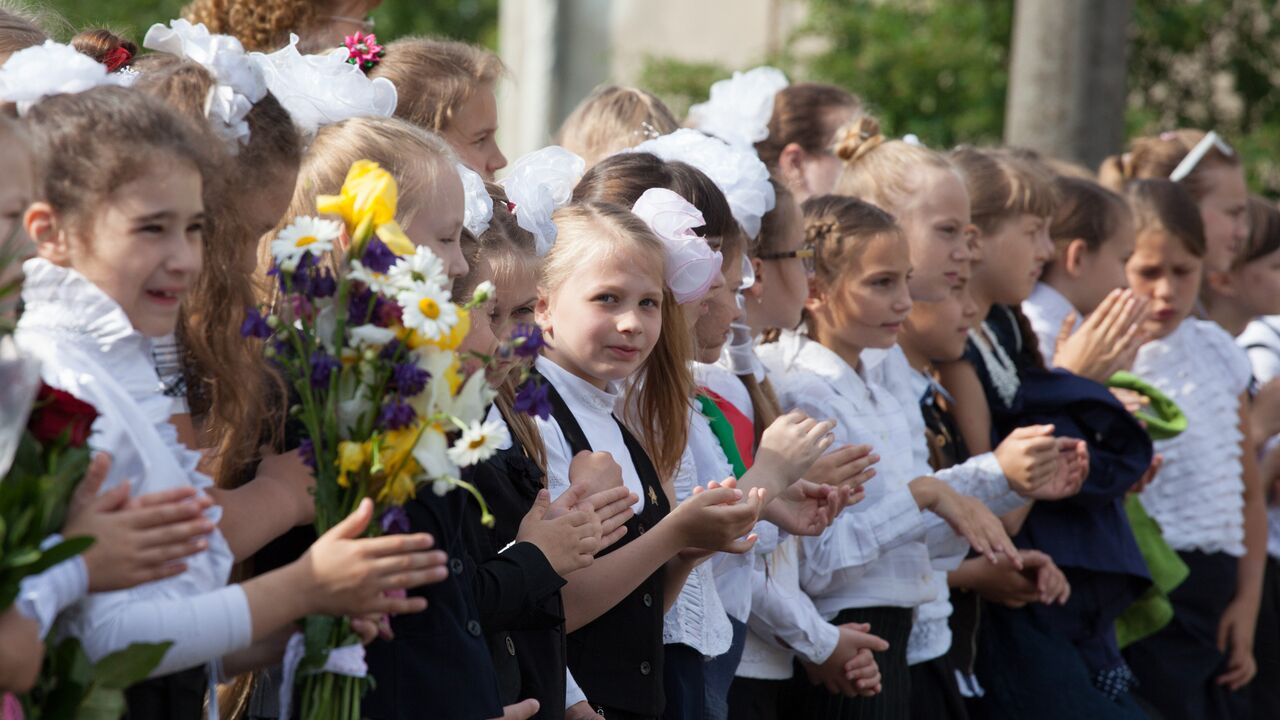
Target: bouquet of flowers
366,335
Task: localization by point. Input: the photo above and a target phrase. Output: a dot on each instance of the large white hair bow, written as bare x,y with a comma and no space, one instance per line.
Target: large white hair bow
690,265
477,204
740,107
537,185
320,90
738,173
239,82
34,73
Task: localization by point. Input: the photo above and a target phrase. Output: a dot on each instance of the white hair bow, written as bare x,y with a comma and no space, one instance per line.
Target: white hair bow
477,204
737,171
320,90
690,265
239,82
539,183
740,107
34,73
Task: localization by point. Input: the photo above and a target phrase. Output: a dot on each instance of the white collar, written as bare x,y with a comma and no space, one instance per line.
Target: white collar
794,348
1050,300
577,391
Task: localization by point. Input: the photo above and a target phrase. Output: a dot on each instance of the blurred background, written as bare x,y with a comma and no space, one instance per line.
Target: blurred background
1069,77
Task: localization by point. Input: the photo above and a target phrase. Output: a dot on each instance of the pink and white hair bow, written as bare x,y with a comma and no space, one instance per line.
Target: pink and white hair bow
690,265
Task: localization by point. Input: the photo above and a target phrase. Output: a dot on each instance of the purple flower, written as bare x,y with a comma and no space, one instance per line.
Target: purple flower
377,256
396,415
323,283
358,305
409,379
527,340
386,312
395,520
307,451
254,325
322,366
390,350
302,307
532,400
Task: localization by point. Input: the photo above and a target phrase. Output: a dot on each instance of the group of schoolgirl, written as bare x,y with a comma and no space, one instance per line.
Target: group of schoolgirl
826,424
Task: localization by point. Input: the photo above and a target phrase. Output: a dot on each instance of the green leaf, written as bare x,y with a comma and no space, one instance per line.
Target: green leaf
102,703
121,669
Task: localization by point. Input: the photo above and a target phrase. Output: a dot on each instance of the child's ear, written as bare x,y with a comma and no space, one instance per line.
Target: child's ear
542,313
1073,258
791,165
1222,283
756,291
817,299
43,227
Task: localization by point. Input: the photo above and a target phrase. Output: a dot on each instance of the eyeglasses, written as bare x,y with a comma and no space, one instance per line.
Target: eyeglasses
1210,141
807,255
366,24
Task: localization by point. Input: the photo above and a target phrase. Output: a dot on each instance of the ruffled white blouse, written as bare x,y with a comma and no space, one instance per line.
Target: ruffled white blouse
1047,309
1261,340
87,347
1198,498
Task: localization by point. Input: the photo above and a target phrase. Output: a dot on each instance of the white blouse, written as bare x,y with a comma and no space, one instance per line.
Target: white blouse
88,347
1261,340
1198,498
874,554
1047,309
593,408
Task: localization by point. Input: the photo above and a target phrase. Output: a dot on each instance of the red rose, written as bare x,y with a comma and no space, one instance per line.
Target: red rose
57,412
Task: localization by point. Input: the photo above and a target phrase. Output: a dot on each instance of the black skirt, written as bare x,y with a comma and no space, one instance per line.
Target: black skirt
894,701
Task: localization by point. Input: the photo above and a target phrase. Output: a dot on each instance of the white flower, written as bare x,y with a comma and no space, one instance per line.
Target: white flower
438,396
320,90
365,336
304,235
738,172
440,487
50,69
479,442
740,107
428,311
478,206
376,282
472,402
432,453
423,266
483,292
539,183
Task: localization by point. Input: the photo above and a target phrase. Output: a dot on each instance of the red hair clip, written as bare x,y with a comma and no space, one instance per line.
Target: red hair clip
117,58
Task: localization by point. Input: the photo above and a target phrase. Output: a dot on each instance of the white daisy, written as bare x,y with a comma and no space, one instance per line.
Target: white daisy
367,336
304,235
432,453
479,442
423,266
376,282
427,310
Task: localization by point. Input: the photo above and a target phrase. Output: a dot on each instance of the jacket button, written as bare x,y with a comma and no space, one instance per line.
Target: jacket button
455,566
641,529
647,600
511,646
645,668
473,627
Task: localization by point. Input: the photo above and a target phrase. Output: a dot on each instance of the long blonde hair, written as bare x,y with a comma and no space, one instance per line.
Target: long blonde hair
614,118
659,397
434,78
887,173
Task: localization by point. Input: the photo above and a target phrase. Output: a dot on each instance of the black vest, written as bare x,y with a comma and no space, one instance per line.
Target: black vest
617,658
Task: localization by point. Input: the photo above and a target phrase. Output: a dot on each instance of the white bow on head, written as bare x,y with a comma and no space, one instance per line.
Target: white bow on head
737,171
539,183
477,203
740,107
239,82
320,90
690,264
38,72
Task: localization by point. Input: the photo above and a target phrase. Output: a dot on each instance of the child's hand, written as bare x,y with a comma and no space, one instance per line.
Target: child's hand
1040,580
848,466
579,711
717,518
294,480
345,574
1028,457
612,507
1235,640
804,508
23,651
1107,341
1072,471
967,516
526,709
851,669
569,541
789,447
594,472
1157,462
1133,401
138,540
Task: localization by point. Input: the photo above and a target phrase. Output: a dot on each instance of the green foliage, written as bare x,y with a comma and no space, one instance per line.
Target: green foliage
470,20
680,84
72,688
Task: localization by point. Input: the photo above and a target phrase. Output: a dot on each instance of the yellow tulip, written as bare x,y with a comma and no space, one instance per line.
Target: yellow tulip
455,337
394,238
368,196
401,470
351,458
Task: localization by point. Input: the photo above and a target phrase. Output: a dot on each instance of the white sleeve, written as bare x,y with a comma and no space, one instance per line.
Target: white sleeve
980,477
559,454
42,597
202,628
783,616
572,693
